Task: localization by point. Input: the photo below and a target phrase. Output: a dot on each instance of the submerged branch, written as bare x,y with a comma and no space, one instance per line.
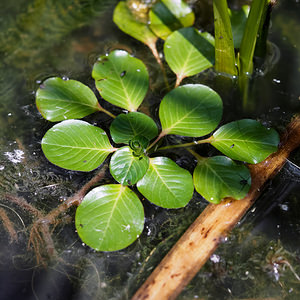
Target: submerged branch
40,237
203,237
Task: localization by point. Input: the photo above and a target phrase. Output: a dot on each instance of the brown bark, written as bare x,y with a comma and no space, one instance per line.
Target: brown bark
203,237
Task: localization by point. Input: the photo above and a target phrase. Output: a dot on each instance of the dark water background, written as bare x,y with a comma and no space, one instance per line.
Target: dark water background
43,38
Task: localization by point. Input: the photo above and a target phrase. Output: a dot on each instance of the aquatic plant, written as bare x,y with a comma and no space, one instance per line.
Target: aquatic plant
111,217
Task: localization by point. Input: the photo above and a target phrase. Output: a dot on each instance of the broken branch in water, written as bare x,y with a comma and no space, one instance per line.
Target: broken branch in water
202,238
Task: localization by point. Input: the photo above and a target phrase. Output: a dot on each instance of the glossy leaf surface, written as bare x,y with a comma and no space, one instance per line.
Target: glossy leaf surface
125,127
246,140
109,218
59,99
189,52
129,24
218,177
190,110
76,145
121,79
126,167
166,184
167,16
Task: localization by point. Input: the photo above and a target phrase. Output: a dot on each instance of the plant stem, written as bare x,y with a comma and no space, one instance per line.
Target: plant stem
106,111
179,78
162,134
196,155
206,141
202,238
155,53
224,47
251,32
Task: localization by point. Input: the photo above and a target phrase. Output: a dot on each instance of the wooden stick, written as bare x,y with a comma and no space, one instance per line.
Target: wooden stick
202,238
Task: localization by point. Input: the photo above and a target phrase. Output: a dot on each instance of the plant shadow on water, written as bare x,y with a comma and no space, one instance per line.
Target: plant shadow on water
261,257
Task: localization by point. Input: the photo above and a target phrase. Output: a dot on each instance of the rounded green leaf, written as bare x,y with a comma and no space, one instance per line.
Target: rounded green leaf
166,184
218,177
125,127
121,79
76,145
189,52
167,16
190,110
110,218
126,167
129,24
59,100
246,140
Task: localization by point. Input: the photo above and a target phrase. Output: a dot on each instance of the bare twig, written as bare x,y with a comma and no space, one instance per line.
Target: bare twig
203,237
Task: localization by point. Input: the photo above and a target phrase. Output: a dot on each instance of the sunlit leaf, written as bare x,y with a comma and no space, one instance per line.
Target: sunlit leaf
166,184
125,127
76,145
190,110
218,177
129,24
238,21
167,16
59,99
110,218
188,52
246,140
126,167
121,79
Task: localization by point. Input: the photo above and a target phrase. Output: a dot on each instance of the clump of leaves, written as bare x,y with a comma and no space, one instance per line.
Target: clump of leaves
111,216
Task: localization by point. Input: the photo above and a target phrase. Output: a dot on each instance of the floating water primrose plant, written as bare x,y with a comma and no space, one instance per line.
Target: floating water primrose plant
111,217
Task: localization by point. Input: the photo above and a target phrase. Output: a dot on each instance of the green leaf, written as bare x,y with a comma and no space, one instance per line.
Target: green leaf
110,218
238,20
246,140
126,167
59,99
121,79
76,145
128,23
166,184
190,110
188,52
218,177
167,16
125,127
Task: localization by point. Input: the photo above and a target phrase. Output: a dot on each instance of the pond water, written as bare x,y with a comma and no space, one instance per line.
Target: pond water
44,38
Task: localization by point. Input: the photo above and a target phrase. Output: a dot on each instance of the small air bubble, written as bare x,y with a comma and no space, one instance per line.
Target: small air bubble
138,70
65,78
2,168
39,81
276,80
9,114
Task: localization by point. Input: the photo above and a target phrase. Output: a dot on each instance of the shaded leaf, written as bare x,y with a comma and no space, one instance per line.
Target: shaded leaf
190,110
166,184
238,21
121,79
126,167
189,52
125,127
167,16
218,177
246,140
128,23
110,218
76,145
59,99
